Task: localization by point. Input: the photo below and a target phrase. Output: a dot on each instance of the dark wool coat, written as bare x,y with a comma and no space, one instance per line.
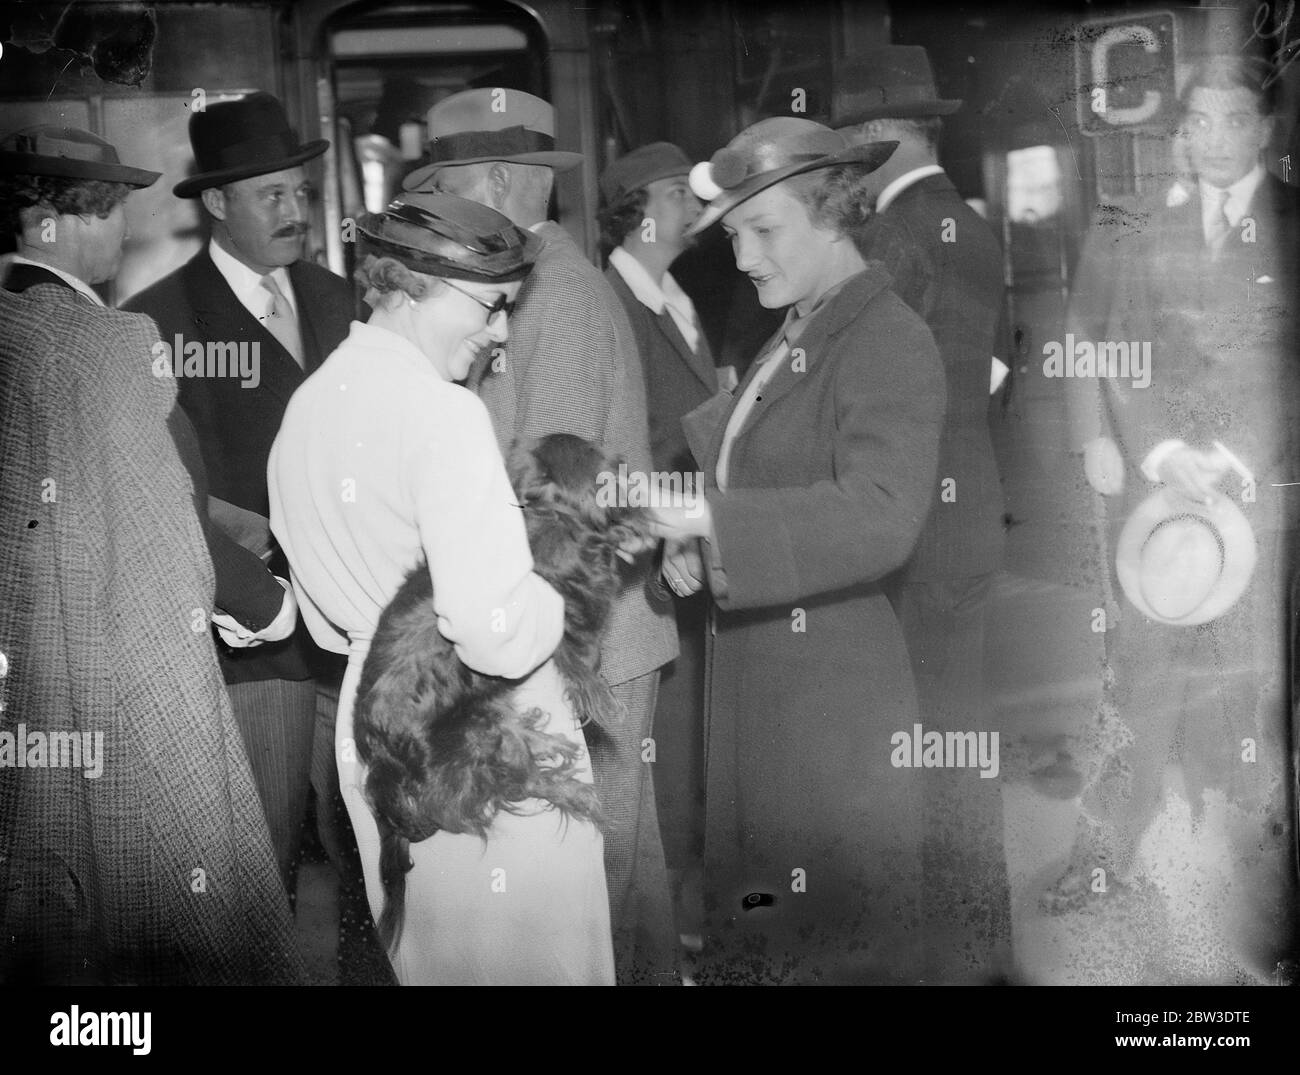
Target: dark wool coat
957,287
812,835
236,425
159,870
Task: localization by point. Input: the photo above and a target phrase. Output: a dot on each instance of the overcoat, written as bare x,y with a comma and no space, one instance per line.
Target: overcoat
812,832
236,425
157,869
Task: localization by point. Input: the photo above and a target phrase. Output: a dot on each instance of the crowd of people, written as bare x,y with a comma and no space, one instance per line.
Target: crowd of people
822,591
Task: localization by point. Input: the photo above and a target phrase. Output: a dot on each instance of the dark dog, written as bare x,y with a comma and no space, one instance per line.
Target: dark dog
442,745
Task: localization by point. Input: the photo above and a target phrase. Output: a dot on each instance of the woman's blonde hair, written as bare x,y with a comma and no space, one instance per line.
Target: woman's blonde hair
837,199
384,276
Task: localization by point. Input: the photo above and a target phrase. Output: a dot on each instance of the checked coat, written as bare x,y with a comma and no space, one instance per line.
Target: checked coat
159,870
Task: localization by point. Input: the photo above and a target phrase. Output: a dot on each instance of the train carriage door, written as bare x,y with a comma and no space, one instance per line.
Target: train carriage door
379,68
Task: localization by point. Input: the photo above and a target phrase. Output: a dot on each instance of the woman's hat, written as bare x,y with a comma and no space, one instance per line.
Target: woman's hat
769,151
640,168
894,82
235,140
1183,562
491,124
67,153
445,235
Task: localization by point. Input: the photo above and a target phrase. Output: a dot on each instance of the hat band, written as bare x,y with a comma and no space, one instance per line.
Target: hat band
446,229
505,143
44,146
255,151
882,96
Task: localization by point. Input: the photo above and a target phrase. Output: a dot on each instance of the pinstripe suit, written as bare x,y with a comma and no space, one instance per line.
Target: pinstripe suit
571,366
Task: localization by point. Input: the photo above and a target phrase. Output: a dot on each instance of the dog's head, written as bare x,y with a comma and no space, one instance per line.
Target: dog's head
564,479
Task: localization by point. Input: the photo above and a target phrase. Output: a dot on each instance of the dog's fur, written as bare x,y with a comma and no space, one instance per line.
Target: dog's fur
442,746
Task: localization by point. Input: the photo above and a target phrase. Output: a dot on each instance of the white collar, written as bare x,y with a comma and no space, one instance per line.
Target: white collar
246,283
79,285
643,285
1239,194
894,189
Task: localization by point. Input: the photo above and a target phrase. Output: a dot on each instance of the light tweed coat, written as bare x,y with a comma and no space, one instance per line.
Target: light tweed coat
160,870
571,366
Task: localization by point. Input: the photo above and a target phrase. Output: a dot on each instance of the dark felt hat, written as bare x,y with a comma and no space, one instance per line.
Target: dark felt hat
769,151
640,168
67,153
894,82
239,139
444,235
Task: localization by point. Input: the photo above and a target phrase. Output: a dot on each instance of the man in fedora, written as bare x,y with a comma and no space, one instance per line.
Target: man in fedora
249,285
648,207
571,365
947,266
131,847
1204,283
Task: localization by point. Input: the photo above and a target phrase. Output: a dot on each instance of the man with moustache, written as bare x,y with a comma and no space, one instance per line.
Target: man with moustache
149,863
648,209
248,285
571,365
1206,273
947,266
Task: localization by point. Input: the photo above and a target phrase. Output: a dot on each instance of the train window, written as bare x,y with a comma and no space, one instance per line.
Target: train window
1033,185
389,64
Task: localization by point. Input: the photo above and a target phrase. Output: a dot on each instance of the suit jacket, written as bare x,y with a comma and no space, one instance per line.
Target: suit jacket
571,366
237,425
828,486
159,869
677,380
1220,331
957,288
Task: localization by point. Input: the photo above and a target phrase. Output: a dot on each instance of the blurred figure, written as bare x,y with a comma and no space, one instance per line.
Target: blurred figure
648,207
571,366
1206,282
132,850
946,266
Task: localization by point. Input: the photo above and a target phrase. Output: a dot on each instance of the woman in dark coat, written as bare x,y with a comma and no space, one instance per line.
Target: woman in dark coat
818,473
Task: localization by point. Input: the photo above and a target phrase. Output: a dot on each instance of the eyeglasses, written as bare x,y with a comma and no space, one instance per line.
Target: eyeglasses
501,305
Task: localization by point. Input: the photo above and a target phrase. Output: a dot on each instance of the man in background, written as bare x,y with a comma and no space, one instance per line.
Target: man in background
947,266
571,366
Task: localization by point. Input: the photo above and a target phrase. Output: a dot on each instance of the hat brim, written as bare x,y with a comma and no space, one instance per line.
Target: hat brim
196,184
1239,553
555,159
12,163
872,156
910,110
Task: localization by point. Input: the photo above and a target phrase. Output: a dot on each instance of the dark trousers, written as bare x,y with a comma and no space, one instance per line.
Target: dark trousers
966,893
277,720
640,903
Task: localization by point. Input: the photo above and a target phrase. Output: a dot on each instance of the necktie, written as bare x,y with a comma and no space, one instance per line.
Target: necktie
1219,226
280,321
